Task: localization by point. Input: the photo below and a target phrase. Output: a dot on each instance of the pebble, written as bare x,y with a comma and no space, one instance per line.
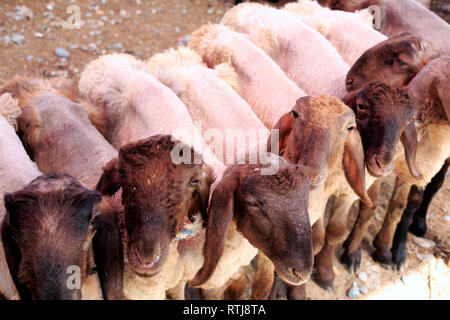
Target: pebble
22,13
362,276
103,1
73,46
353,292
49,6
18,39
43,28
30,57
447,218
84,48
62,53
424,243
184,11
423,257
117,46
210,11
38,35
363,290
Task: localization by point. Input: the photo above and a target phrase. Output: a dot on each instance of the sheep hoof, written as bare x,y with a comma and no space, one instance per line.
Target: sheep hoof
398,255
418,226
383,257
327,285
351,261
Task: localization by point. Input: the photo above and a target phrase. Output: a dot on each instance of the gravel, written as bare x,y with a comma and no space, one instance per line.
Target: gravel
18,39
62,53
424,243
353,292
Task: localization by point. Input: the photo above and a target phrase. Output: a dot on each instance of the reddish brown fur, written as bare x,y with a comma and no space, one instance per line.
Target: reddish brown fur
157,196
49,226
394,61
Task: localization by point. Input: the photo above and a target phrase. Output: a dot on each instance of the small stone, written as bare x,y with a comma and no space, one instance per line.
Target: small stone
362,276
62,53
363,290
353,292
117,46
49,6
103,1
423,257
88,14
73,46
38,35
447,218
210,11
30,57
184,11
39,60
123,13
177,30
43,28
84,48
354,284
424,243
92,46
18,39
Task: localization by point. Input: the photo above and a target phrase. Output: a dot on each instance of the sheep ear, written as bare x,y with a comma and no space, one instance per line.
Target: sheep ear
354,166
108,251
443,91
409,140
220,214
284,127
109,182
207,180
19,201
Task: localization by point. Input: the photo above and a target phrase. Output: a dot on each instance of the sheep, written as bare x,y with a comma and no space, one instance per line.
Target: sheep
211,101
261,82
16,170
333,24
320,132
282,35
118,100
60,138
401,16
394,61
429,91
51,235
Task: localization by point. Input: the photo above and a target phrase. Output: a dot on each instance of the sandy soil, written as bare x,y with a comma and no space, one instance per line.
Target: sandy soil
144,28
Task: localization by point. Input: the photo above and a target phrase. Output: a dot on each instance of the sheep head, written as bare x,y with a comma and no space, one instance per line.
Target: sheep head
271,211
157,195
320,133
394,61
49,227
383,116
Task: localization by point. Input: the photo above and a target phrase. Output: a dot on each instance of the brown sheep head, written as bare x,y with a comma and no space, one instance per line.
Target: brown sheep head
383,116
320,133
49,228
394,61
271,211
157,195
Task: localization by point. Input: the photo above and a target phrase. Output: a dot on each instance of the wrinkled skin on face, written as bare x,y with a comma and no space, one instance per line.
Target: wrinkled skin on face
157,195
49,228
316,133
383,116
270,211
394,61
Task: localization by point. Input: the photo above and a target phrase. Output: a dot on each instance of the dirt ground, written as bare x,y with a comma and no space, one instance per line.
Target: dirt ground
143,28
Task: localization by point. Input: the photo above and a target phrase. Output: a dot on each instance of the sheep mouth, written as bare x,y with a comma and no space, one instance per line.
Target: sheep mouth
145,267
293,276
376,169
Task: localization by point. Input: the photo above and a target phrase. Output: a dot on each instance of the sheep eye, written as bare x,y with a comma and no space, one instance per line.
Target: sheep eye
361,107
194,182
295,114
351,128
252,204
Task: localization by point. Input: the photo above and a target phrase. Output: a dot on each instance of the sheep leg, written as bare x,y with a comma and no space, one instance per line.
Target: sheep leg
296,292
177,292
419,225
264,278
351,257
236,289
318,235
397,205
336,230
401,234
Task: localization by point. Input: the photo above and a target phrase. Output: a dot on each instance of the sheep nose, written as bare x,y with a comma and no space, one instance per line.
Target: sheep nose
349,82
384,161
318,176
148,252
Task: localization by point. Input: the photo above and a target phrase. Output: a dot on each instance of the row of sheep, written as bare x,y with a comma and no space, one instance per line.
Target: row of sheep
89,178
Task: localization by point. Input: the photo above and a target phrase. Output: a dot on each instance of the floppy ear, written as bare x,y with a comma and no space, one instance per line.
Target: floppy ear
220,214
109,182
85,202
204,186
443,90
354,166
19,201
108,251
284,127
409,140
